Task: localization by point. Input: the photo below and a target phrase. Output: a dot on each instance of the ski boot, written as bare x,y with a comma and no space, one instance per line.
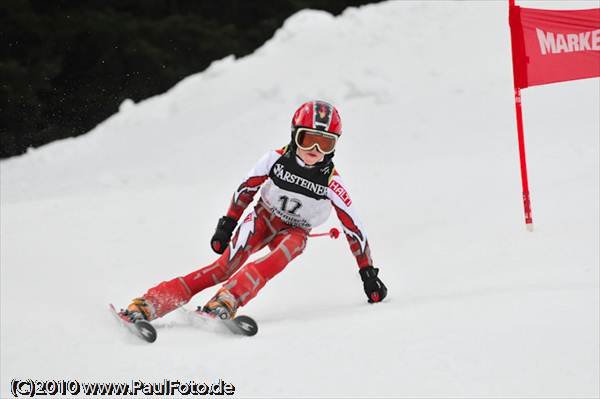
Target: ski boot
223,305
139,309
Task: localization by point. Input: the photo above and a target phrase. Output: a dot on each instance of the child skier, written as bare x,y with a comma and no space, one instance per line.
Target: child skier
299,186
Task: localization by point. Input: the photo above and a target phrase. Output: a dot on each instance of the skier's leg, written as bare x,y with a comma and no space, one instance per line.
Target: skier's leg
252,235
246,283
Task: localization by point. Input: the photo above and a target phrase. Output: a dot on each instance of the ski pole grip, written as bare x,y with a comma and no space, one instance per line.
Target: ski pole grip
333,234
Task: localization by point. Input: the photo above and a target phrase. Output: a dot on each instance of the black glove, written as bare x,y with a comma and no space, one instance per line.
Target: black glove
220,239
374,288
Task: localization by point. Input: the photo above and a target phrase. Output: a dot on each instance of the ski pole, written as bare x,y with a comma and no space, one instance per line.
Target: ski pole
333,233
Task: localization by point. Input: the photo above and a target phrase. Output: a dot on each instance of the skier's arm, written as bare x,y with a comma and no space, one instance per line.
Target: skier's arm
242,197
353,229
374,288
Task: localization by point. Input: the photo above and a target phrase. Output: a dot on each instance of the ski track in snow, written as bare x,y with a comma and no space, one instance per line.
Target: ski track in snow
477,306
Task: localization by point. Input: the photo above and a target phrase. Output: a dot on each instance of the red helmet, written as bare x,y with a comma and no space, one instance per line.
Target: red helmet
317,115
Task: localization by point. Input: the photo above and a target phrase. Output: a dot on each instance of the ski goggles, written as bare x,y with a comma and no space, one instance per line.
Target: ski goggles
307,139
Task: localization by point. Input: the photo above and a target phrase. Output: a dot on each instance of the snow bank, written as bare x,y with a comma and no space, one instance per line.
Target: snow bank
477,306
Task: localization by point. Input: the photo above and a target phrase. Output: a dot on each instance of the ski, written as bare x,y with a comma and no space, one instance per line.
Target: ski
141,328
239,325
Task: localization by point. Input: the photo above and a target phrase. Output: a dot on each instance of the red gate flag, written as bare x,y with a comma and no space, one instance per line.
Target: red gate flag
550,46
554,45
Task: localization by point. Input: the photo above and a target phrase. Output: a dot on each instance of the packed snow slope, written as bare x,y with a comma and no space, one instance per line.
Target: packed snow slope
477,306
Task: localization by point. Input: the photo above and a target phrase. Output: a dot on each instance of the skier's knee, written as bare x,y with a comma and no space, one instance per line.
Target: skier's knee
294,247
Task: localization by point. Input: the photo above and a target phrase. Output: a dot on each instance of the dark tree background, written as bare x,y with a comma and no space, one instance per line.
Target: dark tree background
66,65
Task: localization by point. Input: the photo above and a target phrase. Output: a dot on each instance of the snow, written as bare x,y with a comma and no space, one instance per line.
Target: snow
477,306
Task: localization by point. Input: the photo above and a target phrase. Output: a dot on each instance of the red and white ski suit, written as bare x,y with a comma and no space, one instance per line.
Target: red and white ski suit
294,198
